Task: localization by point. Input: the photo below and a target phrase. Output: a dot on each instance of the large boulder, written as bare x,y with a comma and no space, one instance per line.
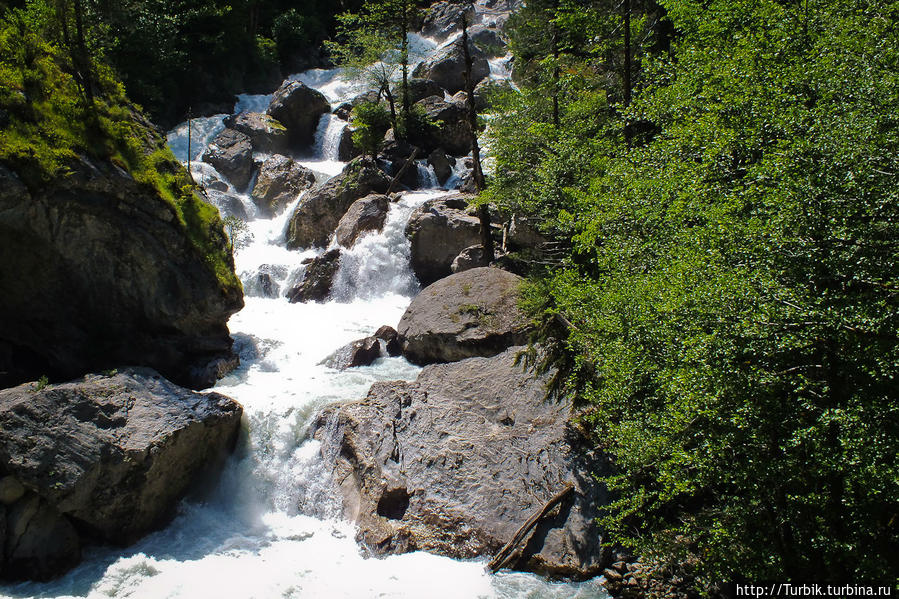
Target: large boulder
457,461
321,209
471,313
447,67
445,18
106,458
419,89
453,132
298,108
318,278
231,153
100,270
438,231
346,147
266,133
488,40
365,214
227,204
279,182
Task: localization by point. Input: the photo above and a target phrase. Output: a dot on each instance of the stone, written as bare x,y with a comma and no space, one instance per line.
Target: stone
365,214
108,454
279,182
470,257
362,352
456,461
298,108
447,67
346,147
227,204
419,89
445,18
11,490
98,271
453,133
319,212
488,40
443,165
264,281
391,340
472,313
318,278
438,231
41,543
231,153
266,133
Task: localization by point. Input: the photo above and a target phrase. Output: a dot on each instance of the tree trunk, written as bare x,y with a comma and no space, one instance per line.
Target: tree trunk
404,56
627,68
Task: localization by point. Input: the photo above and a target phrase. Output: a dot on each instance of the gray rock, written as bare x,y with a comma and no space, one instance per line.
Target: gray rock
445,18
455,462
264,281
231,153
391,340
279,182
318,278
298,108
11,490
361,352
470,257
227,204
419,89
110,455
488,40
347,148
317,215
453,133
468,314
365,214
443,165
438,231
99,271
266,133
447,67
40,543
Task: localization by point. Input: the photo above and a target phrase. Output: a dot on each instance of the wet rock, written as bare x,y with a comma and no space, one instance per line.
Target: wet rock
455,462
227,204
365,214
442,164
470,257
298,108
453,133
343,111
318,214
471,313
264,282
391,340
438,231
279,182
318,278
266,133
362,352
109,455
419,89
346,147
447,67
231,153
445,18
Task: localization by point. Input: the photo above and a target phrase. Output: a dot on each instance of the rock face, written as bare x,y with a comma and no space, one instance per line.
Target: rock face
347,148
455,462
98,272
266,133
321,209
453,134
106,456
318,279
445,18
447,68
471,313
280,180
231,153
298,108
365,214
419,89
439,230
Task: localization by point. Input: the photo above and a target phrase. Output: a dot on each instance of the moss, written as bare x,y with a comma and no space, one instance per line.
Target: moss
49,124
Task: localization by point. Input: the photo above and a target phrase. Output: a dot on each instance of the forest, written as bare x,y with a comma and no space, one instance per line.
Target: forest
719,182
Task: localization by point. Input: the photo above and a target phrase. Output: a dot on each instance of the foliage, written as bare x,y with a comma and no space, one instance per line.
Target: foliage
728,310
370,122
50,123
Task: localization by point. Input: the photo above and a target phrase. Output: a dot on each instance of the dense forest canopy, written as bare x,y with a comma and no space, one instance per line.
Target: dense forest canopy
727,176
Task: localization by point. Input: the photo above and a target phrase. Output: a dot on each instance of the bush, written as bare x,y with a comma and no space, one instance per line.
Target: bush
371,122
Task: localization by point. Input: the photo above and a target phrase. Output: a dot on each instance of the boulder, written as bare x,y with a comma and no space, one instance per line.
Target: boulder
457,461
470,257
298,108
391,340
438,231
266,133
231,153
99,270
442,164
346,147
445,18
264,281
106,457
468,314
453,133
321,209
365,214
227,204
419,89
362,352
279,182
447,67
318,278
488,40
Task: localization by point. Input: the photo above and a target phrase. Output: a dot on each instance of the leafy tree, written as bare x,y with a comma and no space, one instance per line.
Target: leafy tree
370,122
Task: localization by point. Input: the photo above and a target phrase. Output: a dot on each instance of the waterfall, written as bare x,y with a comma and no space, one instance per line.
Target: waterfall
327,137
427,178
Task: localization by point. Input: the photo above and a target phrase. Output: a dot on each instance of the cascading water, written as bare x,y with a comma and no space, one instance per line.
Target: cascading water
271,526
